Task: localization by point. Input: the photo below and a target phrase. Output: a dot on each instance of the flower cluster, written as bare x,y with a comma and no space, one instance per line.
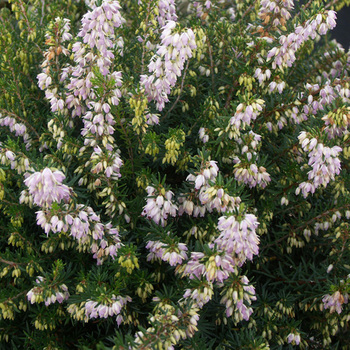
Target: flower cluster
238,237
207,197
159,205
285,54
236,243
215,198
246,158
324,162
94,309
19,129
246,113
276,11
46,187
82,223
208,173
99,43
326,95
215,268
335,301
293,338
98,47
203,136
55,38
109,162
166,66
202,7
178,323
98,32
235,296
201,294
262,75
317,97
167,12
174,254
251,175
17,161
39,293
278,85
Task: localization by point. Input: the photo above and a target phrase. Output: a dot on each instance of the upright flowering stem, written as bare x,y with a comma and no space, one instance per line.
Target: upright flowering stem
175,49
324,162
284,54
98,47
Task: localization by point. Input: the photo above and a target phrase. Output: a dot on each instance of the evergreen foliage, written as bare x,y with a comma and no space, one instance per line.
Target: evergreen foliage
173,175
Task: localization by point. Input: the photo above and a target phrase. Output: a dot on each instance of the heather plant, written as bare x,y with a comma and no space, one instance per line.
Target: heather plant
173,175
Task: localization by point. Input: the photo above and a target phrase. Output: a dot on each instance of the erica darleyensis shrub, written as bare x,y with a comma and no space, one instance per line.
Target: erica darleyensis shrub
173,175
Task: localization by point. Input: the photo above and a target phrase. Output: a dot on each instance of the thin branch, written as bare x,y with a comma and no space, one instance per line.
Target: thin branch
328,212
42,11
211,64
178,97
11,263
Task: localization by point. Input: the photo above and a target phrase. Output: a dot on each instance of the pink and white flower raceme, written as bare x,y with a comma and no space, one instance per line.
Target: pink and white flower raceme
236,243
19,129
46,187
10,158
262,75
84,225
99,41
201,7
215,198
279,10
97,30
203,136
293,338
215,268
110,163
246,169
166,66
174,254
251,174
197,202
324,162
98,46
236,298
58,295
209,172
167,12
335,301
238,237
278,85
152,118
98,120
159,206
200,295
207,195
45,81
50,296
284,55
246,113
94,309
191,208
81,222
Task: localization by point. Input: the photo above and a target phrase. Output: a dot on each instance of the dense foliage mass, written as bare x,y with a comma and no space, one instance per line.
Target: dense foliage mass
173,176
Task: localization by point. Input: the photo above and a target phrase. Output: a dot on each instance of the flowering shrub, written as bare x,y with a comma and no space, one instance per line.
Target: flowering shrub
173,175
